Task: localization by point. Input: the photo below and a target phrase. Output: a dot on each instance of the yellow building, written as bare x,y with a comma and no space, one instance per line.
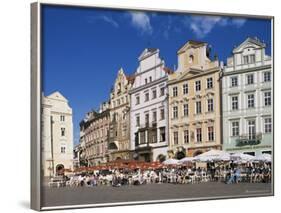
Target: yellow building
194,102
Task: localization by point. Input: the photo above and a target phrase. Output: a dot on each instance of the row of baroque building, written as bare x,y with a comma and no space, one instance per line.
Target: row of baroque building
159,113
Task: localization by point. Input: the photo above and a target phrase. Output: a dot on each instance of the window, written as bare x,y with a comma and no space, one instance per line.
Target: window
146,96
124,130
162,114
185,110
154,94
137,120
175,112
175,91
150,79
62,131
153,135
246,59
252,129
62,118
209,83
211,133
210,105
142,137
266,152
197,85
98,149
176,138
198,135
252,58
251,101
185,89
137,100
250,153
154,116
147,119
267,125
234,103
250,79
198,107
62,149
190,59
234,81
145,81
162,91
162,134
235,128
186,136
267,76
267,98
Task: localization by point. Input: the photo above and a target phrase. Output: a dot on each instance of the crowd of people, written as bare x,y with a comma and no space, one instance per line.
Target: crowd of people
229,174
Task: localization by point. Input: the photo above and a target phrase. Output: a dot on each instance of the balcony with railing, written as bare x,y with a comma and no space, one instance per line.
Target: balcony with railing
146,136
249,139
147,125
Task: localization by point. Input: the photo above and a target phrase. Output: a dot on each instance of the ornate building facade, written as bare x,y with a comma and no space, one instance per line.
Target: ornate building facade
95,128
57,135
149,112
119,129
194,102
247,99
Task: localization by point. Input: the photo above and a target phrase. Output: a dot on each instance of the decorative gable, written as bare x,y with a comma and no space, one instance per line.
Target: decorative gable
147,52
57,96
188,74
249,43
191,44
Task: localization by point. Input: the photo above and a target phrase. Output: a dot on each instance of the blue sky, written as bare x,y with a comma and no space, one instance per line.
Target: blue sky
83,48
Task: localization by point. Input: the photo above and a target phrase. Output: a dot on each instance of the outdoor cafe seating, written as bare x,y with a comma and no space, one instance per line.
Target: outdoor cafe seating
57,181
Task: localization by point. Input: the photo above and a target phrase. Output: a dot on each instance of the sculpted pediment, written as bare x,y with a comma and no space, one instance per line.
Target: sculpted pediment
57,96
249,43
188,73
190,44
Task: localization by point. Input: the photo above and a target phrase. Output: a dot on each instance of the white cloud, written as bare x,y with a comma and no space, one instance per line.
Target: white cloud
141,21
238,22
168,28
107,19
110,21
203,25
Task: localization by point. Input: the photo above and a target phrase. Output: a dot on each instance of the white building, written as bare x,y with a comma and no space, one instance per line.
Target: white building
57,135
247,99
149,116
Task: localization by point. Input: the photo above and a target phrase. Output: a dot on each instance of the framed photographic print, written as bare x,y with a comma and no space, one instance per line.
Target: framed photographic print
136,106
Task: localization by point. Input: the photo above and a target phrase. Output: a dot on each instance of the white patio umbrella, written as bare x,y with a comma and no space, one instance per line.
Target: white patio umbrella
263,158
187,159
213,155
240,157
171,161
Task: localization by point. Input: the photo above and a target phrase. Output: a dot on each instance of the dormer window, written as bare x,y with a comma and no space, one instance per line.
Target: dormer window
190,59
249,59
252,58
246,59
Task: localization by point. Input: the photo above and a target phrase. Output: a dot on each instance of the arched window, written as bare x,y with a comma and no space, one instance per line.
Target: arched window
190,59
